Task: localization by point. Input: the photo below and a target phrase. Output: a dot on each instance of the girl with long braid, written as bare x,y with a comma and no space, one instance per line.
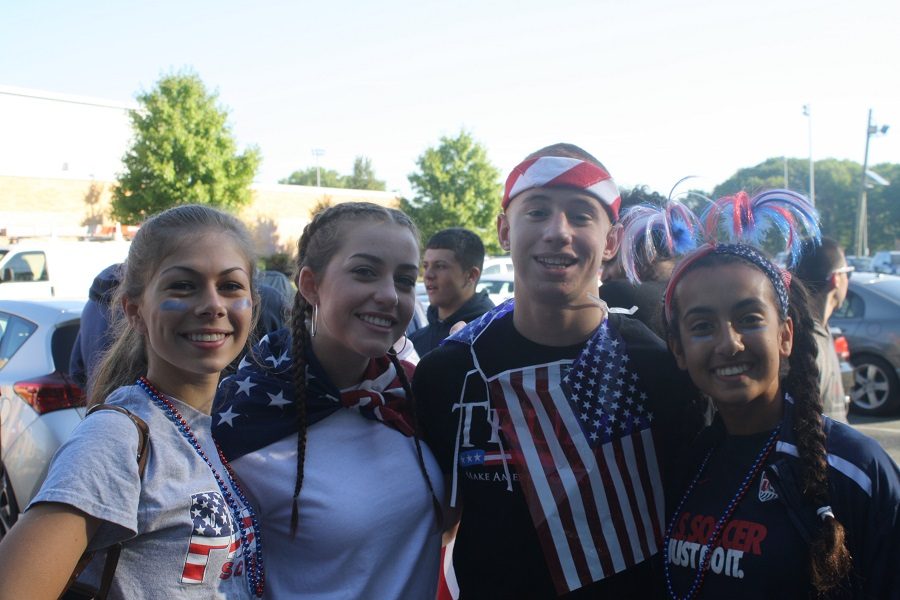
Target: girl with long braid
319,422
777,501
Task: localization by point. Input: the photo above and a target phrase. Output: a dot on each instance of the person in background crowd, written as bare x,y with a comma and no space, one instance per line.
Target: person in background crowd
823,269
188,304
554,420
94,334
451,268
776,501
640,281
320,423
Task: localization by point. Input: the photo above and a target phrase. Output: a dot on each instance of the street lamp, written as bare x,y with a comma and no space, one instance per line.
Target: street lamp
812,168
318,153
862,217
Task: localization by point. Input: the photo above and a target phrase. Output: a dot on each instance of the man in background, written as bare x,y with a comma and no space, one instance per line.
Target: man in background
452,266
823,268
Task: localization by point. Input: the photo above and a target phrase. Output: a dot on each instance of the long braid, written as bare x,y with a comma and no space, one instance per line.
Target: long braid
404,380
830,561
299,341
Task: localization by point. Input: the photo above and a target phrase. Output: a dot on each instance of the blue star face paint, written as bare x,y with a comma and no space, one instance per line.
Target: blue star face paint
242,304
173,306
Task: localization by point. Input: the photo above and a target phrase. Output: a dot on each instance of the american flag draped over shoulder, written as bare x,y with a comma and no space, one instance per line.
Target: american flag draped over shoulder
256,406
580,436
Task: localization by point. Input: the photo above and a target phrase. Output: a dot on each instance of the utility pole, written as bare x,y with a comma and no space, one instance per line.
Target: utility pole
807,110
862,216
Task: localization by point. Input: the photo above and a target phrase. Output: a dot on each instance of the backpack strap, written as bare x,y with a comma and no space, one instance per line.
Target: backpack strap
113,552
143,433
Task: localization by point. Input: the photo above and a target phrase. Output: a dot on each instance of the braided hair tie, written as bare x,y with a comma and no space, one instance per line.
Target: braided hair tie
824,512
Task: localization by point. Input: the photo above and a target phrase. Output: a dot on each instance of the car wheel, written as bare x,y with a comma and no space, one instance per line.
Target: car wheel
9,510
876,390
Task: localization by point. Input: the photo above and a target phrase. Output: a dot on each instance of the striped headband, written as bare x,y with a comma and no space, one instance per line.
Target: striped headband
781,279
561,171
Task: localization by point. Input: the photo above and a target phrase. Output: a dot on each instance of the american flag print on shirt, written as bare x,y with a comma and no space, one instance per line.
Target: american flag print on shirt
213,530
583,435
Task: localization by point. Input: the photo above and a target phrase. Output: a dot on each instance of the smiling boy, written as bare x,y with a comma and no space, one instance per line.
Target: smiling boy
554,419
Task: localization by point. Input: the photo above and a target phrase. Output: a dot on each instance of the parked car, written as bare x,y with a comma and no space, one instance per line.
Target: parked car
870,320
499,287
497,265
886,261
860,263
55,268
39,404
842,348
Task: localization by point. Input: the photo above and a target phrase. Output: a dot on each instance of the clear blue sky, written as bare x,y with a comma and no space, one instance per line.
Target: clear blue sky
656,90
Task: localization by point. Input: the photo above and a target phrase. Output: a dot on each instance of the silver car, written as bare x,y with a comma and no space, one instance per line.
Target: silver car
870,320
39,404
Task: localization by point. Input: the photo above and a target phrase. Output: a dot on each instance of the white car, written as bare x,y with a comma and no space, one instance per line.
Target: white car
39,404
500,288
497,265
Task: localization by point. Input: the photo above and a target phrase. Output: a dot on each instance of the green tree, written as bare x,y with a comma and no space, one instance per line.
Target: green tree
326,178
883,206
183,152
456,186
363,176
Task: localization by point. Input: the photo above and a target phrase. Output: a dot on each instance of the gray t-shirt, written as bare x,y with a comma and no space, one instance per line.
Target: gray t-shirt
830,384
182,541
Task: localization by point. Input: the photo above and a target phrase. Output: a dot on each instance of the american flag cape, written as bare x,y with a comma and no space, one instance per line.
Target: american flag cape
257,406
580,437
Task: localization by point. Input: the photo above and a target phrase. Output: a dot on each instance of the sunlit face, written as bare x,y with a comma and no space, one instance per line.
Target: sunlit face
196,311
366,294
731,340
447,284
558,239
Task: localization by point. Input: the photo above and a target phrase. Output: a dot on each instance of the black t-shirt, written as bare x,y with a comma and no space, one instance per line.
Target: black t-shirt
760,554
497,552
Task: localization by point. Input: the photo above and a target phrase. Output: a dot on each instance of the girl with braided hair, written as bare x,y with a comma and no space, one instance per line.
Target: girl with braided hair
777,500
320,423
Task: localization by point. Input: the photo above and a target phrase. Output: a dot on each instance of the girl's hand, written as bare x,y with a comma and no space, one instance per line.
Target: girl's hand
40,552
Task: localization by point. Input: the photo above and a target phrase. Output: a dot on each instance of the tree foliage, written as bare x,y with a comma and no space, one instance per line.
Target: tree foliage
456,186
183,152
362,177
837,195
308,176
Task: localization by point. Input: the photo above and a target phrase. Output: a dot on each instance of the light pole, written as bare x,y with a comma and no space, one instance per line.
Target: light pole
812,166
318,153
862,217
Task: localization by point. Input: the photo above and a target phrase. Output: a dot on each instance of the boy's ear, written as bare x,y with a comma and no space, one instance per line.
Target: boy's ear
473,275
613,240
503,231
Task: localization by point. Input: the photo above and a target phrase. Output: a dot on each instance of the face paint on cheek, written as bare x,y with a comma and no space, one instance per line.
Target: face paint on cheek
242,304
173,306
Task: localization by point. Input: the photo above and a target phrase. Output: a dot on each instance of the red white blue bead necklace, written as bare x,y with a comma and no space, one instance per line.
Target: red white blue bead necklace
255,572
758,463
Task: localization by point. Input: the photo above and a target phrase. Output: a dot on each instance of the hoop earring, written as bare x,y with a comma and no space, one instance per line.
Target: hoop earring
313,322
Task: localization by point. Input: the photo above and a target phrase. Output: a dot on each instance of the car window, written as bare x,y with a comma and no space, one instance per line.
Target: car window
61,345
13,333
26,266
854,307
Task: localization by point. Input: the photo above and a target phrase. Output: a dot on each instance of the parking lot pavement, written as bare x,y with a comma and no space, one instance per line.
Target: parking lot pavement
884,429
